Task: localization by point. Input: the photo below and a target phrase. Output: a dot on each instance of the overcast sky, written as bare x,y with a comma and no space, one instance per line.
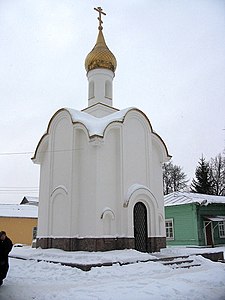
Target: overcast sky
171,65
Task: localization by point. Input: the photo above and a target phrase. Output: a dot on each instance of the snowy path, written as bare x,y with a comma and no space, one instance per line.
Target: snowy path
32,280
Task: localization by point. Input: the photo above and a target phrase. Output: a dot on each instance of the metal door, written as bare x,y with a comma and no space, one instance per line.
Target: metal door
140,227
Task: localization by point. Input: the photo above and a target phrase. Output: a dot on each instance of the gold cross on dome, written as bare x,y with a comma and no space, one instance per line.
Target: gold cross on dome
100,11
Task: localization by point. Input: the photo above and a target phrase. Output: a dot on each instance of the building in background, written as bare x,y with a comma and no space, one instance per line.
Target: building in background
194,219
29,200
19,221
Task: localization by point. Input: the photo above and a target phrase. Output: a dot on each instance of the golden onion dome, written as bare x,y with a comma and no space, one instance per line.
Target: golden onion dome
100,56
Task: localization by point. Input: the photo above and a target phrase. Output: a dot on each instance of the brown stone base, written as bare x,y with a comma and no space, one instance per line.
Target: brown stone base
154,244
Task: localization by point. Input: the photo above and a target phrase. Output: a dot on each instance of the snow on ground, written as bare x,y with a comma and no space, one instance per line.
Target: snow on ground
29,279
81,257
190,250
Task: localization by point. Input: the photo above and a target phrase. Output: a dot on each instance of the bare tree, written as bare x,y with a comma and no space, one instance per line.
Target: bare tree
217,166
174,179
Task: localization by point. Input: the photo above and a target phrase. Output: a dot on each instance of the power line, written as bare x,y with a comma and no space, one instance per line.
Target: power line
21,190
5,189
19,187
32,152
16,153
18,190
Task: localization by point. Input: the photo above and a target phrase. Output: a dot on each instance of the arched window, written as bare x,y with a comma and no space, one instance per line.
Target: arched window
108,89
91,90
108,216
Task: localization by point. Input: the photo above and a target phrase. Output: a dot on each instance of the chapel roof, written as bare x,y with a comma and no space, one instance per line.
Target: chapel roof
97,126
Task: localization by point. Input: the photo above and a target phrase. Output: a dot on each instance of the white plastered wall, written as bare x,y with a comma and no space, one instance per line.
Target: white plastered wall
84,180
109,181
141,165
60,175
43,206
100,86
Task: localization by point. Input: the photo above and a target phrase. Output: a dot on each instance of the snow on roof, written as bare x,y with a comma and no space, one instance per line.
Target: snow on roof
179,198
94,125
18,211
97,126
30,200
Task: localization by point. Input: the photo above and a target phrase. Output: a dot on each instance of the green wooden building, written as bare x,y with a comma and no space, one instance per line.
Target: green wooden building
194,219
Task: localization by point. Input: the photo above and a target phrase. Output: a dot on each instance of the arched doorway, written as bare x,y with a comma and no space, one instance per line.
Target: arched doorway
140,227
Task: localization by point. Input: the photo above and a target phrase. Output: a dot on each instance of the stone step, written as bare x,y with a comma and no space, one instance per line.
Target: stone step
172,261
169,258
187,266
176,262
221,261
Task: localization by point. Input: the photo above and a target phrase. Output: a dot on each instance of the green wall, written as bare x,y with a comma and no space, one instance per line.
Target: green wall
184,222
188,222
210,210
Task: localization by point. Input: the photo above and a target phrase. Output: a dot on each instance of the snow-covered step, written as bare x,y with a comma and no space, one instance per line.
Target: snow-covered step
186,266
178,262
221,261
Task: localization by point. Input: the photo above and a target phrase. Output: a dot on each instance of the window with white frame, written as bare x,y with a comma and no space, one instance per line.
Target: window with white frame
169,229
221,226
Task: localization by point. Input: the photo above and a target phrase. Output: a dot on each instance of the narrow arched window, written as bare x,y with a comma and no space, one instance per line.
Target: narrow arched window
108,89
91,90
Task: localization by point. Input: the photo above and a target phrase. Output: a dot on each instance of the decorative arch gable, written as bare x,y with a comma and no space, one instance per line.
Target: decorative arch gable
135,191
139,193
61,113
41,148
143,119
160,147
98,126
108,212
58,117
59,189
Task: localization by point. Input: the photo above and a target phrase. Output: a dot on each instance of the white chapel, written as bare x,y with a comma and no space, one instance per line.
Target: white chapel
101,171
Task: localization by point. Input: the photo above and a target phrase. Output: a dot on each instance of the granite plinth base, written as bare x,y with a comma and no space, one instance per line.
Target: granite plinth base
154,244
